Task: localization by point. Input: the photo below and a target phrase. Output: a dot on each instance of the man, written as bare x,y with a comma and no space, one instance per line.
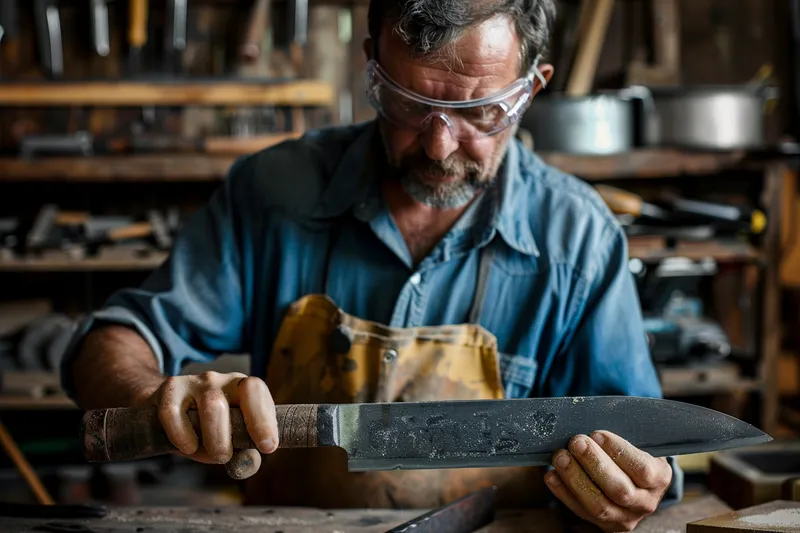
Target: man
425,255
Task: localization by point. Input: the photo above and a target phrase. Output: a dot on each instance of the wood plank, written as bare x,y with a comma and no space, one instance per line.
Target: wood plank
721,378
306,520
774,517
106,262
720,251
655,163
212,92
180,167
129,168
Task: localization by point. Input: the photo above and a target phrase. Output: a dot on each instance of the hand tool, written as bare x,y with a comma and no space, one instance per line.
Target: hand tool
208,145
137,34
665,34
446,434
100,34
250,49
464,515
48,29
590,45
175,35
9,19
747,218
625,202
298,22
23,467
9,32
78,143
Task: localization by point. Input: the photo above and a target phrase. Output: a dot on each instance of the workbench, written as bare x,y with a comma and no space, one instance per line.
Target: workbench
304,520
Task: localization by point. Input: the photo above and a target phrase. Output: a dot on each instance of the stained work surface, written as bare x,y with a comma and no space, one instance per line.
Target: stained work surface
773,517
297,520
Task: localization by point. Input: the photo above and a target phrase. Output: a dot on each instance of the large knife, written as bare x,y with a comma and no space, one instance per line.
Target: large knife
447,434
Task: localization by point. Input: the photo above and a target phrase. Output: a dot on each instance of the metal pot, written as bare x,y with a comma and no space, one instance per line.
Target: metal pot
596,124
711,118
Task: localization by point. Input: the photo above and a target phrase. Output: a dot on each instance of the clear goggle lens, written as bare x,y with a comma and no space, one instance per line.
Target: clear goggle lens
467,120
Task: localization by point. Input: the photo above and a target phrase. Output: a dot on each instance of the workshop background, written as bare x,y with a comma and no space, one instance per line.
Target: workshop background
120,117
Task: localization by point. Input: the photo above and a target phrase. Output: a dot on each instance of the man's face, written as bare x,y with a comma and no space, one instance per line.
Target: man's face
433,166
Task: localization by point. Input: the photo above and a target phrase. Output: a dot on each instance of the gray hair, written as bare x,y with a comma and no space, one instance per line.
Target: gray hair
432,26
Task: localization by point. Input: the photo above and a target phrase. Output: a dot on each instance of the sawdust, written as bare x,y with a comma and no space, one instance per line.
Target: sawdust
456,437
274,521
781,520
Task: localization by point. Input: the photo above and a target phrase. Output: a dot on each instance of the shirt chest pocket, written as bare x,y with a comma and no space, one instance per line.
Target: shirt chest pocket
518,373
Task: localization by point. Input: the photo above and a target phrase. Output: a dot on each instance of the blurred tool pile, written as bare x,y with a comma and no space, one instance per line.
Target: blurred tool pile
164,80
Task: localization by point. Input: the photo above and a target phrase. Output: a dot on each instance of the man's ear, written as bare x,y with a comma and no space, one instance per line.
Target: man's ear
367,45
547,72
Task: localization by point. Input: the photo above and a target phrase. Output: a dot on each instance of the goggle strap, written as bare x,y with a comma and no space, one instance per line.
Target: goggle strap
538,73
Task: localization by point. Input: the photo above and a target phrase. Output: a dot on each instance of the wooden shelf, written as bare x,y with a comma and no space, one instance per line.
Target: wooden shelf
166,92
193,167
656,163
57,401
723,378
720,251
162,167
109,260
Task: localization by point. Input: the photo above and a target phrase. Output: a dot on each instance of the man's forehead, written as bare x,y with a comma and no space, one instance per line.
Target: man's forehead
489,50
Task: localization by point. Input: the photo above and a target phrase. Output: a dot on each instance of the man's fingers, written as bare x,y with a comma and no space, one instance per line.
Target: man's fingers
243,464
561,492
258,410
215,425
646,471
172,406
586,492
608,476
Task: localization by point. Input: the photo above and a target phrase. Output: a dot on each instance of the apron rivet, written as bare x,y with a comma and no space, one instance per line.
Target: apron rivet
389,355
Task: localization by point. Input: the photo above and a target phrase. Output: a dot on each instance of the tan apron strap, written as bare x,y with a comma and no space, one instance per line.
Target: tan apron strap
486,256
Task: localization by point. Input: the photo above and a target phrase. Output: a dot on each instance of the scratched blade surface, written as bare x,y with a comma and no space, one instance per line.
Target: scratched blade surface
460,434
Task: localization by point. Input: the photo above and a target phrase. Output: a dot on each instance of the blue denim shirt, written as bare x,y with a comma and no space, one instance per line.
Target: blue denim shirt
560,298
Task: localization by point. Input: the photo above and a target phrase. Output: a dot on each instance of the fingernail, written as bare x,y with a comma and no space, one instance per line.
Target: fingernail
562,461
599,438
267,445
579,445
553,480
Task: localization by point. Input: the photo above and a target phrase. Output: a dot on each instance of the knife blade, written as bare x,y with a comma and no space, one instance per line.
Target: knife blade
445,434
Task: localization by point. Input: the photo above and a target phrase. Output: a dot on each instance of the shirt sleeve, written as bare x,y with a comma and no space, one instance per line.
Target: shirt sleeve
608,353
190,309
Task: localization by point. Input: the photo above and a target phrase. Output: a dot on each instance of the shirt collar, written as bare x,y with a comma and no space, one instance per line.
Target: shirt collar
511,216
355,184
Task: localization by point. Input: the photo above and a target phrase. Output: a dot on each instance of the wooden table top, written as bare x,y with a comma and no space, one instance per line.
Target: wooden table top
305,520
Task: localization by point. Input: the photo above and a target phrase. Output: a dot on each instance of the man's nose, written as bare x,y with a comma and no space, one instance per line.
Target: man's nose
438,141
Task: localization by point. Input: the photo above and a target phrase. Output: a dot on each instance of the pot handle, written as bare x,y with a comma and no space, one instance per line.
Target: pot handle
770,95
650,119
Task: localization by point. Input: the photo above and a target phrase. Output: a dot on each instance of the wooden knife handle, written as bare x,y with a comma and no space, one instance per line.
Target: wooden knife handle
123,434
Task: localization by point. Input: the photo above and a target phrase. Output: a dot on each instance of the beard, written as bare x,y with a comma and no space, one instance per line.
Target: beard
442,184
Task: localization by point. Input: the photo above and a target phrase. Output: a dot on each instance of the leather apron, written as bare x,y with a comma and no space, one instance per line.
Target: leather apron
324,355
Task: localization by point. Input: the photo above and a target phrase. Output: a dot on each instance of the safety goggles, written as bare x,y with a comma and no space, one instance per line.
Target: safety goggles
467,120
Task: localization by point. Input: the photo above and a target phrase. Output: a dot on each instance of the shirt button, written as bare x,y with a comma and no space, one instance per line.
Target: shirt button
389,356
415,279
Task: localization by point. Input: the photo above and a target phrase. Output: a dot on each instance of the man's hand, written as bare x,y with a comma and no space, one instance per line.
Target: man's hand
212,394
607,481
